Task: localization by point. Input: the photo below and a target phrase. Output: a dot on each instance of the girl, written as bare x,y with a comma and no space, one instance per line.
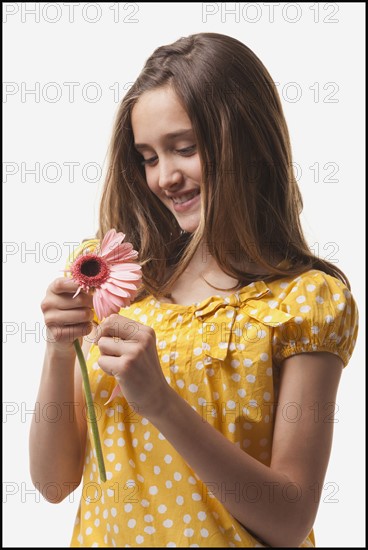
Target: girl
236,341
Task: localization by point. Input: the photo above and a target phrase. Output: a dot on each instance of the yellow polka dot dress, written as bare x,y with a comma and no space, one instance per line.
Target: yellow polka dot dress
222,356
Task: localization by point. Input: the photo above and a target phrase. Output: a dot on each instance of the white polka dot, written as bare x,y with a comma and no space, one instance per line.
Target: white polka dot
267,319
192,480
264,357
128,508
180,500
236,377
193,388
111,457
305,309
168,484
139,539
197,351
157,470
109,442
88,530
143,318
148,446
162,509
204,533
310,288
132,523
266,396
250,378
201,516
188,532
142,457
231,404
196,496
168,523
153,490
187,518
319,300
105,514
329,319
121,442
262,333
341,306
168,459
177,476
247,362
231,427
144,503
110,429
148,518
269,371
180,383
301,299
242,393
97,522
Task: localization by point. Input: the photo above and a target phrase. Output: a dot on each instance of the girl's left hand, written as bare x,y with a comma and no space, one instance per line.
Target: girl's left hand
128,352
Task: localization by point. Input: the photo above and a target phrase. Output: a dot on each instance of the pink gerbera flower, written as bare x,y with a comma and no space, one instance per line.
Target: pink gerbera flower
110,273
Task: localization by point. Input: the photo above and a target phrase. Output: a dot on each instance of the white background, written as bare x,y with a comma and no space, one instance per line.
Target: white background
299,46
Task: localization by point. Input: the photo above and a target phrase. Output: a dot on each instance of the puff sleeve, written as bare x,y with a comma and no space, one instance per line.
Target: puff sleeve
86,246
325,318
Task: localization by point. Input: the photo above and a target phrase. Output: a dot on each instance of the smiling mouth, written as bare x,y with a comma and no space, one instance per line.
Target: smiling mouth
185,198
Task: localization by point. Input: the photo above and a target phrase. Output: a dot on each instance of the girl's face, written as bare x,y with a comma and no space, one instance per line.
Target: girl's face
163,135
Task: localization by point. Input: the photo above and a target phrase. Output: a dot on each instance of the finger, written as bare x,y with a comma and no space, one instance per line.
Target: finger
57,333
69,317
64,284
112,346
118,326
110,365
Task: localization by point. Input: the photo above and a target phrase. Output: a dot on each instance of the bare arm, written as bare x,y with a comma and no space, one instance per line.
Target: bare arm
58,433
285,508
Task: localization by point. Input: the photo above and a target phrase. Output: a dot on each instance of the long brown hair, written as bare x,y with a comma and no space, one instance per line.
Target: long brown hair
251,201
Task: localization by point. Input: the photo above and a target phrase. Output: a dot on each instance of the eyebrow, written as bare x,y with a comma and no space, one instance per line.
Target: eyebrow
171,135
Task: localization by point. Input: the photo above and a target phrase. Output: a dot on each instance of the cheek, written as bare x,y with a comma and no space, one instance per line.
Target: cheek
151,181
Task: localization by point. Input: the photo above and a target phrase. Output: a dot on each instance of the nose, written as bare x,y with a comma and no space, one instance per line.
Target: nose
170,175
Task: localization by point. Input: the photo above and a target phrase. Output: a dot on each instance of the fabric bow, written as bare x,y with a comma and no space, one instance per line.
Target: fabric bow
253,313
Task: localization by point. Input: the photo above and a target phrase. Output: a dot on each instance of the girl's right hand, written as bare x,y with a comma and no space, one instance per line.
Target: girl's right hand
66,318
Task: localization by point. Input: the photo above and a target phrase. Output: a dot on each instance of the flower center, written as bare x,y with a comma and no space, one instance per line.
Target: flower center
91,268
90,271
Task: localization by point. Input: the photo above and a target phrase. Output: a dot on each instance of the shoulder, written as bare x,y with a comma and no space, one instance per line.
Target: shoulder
324,315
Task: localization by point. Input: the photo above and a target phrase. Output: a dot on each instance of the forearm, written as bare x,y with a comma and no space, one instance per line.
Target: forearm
252,492
56,448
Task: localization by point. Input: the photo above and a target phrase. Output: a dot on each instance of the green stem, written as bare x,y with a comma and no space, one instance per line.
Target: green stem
91,410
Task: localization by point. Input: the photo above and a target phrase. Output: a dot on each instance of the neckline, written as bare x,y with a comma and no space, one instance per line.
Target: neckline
252,289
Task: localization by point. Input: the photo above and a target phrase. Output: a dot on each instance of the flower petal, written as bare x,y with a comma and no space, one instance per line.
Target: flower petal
115,393
117,290
111,242
126,275
123,284
126,266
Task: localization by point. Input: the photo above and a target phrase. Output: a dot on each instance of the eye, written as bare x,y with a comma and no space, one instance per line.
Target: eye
150,161
187,150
